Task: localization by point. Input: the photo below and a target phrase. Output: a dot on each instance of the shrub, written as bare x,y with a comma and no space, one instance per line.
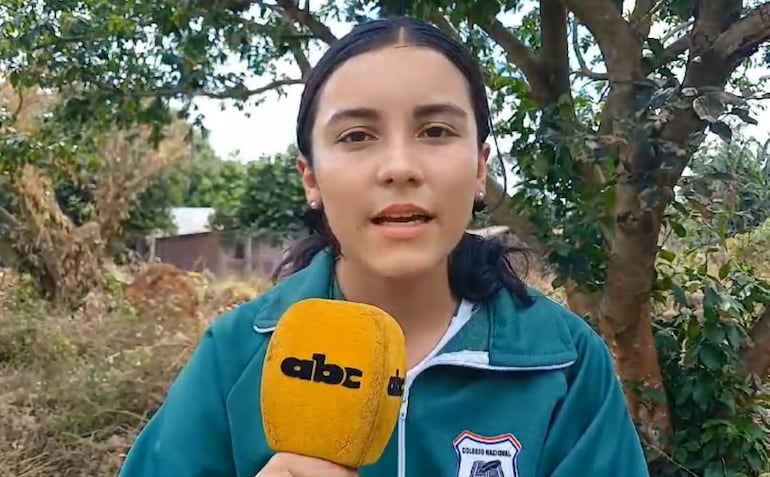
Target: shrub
76,387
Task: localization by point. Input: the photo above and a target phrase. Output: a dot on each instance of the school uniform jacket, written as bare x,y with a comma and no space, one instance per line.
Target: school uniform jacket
508,392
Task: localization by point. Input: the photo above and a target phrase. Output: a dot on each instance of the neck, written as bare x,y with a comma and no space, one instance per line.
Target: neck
418,303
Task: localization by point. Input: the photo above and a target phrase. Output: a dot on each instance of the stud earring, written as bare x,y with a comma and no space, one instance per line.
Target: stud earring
313,204
479,204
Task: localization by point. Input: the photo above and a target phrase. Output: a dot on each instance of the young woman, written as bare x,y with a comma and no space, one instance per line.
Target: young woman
502,382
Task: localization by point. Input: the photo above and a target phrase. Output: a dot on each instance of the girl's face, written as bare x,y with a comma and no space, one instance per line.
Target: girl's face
397,163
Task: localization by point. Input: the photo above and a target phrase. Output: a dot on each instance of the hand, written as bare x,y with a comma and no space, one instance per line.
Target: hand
284,464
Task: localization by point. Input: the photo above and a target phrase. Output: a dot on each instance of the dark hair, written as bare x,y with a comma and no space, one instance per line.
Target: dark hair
478,267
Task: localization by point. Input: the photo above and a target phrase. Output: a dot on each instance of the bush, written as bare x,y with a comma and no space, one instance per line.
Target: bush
76,388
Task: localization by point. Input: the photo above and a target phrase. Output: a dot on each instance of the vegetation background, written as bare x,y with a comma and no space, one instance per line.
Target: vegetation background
633,178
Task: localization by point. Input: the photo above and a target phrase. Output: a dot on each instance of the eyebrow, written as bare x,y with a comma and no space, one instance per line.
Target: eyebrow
421,111
434,109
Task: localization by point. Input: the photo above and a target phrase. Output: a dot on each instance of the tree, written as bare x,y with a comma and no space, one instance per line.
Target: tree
66,201
203,170
599,145
266,198
736,175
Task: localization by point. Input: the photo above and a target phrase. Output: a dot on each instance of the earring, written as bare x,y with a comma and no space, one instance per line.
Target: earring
478,204
313,204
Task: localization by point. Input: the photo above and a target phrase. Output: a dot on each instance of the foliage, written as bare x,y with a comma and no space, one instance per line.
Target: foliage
76,387
735,176
66,258
75,186
752,247
264,198
599,149
212,181
720,414
708,300
67,196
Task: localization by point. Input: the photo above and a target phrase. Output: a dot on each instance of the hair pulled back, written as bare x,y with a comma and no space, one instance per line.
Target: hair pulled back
478,267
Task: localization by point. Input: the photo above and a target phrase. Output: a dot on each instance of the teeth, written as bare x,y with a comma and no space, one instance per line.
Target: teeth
402,219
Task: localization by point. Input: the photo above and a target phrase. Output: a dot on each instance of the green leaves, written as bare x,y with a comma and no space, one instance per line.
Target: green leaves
263,197
122,64
717,416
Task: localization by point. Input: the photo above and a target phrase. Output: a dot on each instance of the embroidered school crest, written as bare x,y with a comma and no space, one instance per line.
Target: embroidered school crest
479,456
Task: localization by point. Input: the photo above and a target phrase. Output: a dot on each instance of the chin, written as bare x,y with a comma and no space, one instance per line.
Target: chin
400,265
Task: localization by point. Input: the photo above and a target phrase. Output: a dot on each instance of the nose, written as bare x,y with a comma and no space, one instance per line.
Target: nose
400,165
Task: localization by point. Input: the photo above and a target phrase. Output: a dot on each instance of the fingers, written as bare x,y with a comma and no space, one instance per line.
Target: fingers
292,465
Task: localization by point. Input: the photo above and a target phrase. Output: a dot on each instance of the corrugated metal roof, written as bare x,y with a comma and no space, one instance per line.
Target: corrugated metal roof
191,220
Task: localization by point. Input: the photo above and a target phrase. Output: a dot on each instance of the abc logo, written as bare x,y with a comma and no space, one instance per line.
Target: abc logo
318,371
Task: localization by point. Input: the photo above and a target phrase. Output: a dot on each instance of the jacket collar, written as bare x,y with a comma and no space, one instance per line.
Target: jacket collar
513,337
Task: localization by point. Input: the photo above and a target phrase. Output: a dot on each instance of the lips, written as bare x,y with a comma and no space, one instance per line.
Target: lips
402,214
401,219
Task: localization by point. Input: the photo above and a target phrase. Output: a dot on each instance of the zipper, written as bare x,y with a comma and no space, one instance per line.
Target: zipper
449,360
401,472
463,359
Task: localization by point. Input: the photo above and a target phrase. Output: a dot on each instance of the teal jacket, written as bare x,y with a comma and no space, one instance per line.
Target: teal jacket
511,393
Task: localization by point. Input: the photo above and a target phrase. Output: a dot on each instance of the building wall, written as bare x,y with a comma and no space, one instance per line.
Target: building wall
218,254
193,252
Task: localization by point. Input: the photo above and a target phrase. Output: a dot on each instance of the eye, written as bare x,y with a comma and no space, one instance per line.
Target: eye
355,136
437,132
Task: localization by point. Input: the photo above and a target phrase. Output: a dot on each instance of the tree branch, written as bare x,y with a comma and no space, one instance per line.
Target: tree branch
554,50
617,41
590,74
745,36
231,93
256,91
303,17
676,30
711,20
756,357
7,217
672,51
296,50
518,54
584,70
641,17
443,24
715,23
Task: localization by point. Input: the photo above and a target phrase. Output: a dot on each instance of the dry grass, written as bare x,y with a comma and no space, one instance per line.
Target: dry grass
76,387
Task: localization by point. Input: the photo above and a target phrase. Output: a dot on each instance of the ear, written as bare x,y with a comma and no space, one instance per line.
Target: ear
481,171
309,182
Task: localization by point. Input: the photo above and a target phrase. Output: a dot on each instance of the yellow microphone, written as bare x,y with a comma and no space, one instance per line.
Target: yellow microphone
332,381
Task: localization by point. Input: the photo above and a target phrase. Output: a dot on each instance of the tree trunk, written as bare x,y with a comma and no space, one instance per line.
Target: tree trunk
625,319
756,356
624,311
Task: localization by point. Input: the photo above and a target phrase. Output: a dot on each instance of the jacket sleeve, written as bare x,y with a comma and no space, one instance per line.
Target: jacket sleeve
189,435
592,432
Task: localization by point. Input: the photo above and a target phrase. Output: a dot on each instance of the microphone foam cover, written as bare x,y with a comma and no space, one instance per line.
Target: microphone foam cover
332,381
